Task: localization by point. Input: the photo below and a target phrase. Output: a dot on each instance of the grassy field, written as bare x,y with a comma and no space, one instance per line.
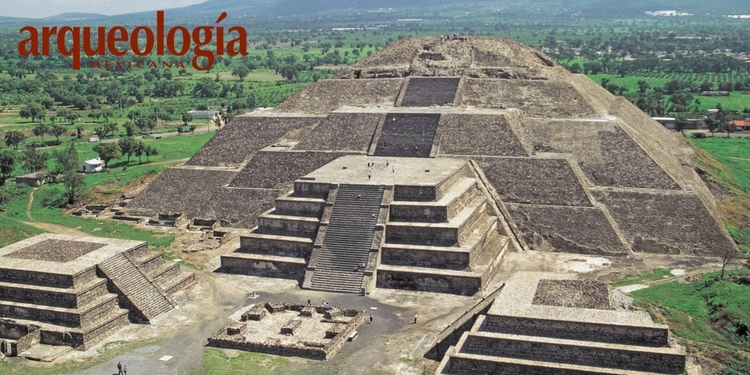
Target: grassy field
100,187
712,313
656,274
727,161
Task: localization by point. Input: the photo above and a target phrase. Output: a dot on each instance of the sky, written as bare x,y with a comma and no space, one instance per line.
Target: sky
46,8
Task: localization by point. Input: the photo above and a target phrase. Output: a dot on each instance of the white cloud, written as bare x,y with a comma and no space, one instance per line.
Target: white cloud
46,8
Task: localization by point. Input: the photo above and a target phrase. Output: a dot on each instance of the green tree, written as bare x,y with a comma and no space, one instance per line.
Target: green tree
5,197
107,113
140,150
74,182
144,123
107,152
63,113
66,159
241,72
7,164
186,118
34,160
681,121
129,128
40,130
14,138
33,111
642,86
127,146
206,88
150,151
106,130
57,130
94,115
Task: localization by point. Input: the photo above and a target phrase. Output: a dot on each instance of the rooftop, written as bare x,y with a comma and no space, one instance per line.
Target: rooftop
353,169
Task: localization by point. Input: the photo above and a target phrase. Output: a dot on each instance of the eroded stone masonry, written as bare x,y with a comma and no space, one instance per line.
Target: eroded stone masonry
420,168
76,291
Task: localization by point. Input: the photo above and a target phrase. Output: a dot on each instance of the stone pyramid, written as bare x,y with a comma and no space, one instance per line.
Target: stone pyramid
570,167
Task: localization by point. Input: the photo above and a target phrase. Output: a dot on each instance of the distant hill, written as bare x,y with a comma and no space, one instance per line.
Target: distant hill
268,11
74,16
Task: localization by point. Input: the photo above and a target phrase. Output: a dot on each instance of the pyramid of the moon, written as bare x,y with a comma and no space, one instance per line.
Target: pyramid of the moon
470,135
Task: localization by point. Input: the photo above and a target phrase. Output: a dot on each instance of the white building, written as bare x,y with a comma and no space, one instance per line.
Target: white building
91,165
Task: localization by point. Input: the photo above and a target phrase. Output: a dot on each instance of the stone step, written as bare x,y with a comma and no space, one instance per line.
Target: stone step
175,283
165,270
442,257
443,210
333,281
455,363
51,296
574,352
299,206
149,261
135,287
69,317
438,234
299,225
348,238
259,243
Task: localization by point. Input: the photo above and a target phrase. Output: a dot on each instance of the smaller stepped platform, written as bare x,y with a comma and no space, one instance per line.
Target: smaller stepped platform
391,222
76,291
544,323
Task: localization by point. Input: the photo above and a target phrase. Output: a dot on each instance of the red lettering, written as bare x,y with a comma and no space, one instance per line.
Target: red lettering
136,36
171,45
46,34
75,48
100,36
29,46
112,39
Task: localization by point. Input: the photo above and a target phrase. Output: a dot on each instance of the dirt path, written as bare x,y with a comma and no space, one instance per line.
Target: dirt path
28,205
49,227
56,228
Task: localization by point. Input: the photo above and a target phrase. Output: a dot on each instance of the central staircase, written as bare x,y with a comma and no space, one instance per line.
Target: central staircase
133,285
348,239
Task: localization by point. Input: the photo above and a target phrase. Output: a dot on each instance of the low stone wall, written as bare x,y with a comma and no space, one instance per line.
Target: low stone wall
609,333
456,260
257,313
411,193
36,278
460,365
311,188
619,358
24,343
222,340
272,246
266,268
424,214
229,339
429,282
451,334
300,208
286,224
421,235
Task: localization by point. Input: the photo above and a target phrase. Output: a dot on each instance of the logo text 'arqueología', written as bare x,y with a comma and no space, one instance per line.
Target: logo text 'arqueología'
107,41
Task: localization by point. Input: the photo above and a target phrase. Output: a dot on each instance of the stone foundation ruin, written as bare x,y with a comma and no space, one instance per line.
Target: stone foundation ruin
288,329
